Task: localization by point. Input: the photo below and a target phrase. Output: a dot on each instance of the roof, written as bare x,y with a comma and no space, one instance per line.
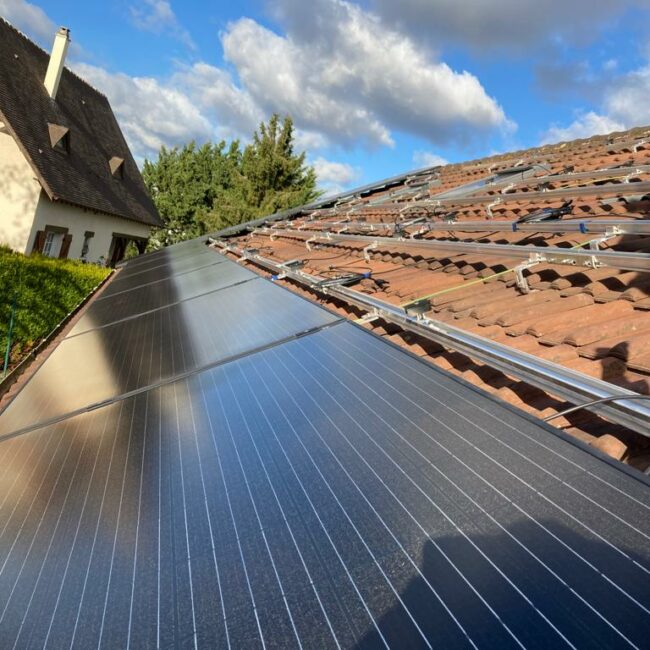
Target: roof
593,317
222,463
83,177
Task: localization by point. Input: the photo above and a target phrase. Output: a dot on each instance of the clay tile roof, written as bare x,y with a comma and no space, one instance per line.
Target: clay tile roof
84,177
592,320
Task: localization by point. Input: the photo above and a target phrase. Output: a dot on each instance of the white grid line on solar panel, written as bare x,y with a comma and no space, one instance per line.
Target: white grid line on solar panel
493,519
408,612
129,271
533,519
234,523
108,294
291,533
96,532
33,502
119,285
314,509
520,454
397,356
118,340
49,546
209,520
414,564
277,500
444,404
459,530
74,539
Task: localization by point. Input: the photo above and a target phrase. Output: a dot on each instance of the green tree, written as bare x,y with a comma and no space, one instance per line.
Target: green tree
203,189
184,183
270,178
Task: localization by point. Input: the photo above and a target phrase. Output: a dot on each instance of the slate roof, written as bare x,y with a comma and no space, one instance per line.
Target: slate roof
83,177
593,320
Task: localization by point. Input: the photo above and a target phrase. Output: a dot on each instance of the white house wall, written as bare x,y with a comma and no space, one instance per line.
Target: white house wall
78,221
19,195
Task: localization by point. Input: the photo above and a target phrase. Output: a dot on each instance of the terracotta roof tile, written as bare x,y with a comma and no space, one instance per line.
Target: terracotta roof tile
593,320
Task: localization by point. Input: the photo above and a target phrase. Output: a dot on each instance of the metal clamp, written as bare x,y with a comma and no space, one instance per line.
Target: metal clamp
521,281
366,251
488,208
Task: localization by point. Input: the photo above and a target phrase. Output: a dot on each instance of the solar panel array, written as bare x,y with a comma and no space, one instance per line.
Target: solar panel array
211,461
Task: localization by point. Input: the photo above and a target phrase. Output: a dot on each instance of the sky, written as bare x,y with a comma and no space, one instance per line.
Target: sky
375,88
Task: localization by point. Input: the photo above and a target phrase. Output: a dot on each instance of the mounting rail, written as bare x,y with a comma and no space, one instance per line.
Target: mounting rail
639,262
585,226
574,387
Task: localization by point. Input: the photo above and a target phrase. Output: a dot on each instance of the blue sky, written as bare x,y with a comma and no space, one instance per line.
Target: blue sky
375,87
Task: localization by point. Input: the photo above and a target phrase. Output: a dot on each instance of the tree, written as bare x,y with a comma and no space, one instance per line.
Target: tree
197,190
184,183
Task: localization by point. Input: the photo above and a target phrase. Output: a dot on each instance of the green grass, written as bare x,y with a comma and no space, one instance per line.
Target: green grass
45,290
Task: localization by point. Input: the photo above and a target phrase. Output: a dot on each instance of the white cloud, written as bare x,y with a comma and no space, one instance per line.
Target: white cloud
503,24
627,98
583,126
334,177
428,159
341,72
30,19
157,16
151,114
623,106
212,90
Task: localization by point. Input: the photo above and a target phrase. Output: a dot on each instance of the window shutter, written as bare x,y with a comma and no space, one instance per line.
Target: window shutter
39,242
65,247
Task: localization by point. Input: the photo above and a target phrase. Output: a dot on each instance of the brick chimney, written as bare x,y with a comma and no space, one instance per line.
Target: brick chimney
57,61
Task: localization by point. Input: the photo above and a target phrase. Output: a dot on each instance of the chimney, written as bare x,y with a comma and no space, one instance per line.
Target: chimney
57,61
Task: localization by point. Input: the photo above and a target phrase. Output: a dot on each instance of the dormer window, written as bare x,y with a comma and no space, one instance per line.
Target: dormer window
59,137
116,166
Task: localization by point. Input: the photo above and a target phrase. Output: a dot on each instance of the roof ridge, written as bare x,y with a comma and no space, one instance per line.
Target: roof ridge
48,54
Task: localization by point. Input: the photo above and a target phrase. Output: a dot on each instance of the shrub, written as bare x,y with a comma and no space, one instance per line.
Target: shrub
45,290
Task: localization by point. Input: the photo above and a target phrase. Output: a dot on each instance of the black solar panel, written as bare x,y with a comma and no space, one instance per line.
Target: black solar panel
329,491
128,355
261,488
161,293
156,272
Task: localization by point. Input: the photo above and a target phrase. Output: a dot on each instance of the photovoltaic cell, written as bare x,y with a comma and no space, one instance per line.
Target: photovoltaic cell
128,355
130,279
330,491
161,293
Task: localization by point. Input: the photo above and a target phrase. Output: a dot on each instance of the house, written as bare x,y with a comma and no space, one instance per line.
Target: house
69,186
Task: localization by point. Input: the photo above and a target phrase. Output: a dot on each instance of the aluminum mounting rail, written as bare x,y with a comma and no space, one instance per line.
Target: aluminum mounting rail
574,387
641,187
639,262
585,226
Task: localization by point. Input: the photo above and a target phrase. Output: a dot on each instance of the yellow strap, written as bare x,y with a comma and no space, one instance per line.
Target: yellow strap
469,284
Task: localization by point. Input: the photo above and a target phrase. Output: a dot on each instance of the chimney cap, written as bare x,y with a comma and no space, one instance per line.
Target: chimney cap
64,31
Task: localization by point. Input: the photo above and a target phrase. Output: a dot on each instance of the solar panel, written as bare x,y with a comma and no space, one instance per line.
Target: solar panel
330,491
160,293
128,279
128,355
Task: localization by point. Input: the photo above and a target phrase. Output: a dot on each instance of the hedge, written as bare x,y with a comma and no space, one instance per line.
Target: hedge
45,290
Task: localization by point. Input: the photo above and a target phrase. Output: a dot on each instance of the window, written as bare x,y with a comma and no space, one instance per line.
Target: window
47,246
116,166
86,245
63,145
59,137
53,242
